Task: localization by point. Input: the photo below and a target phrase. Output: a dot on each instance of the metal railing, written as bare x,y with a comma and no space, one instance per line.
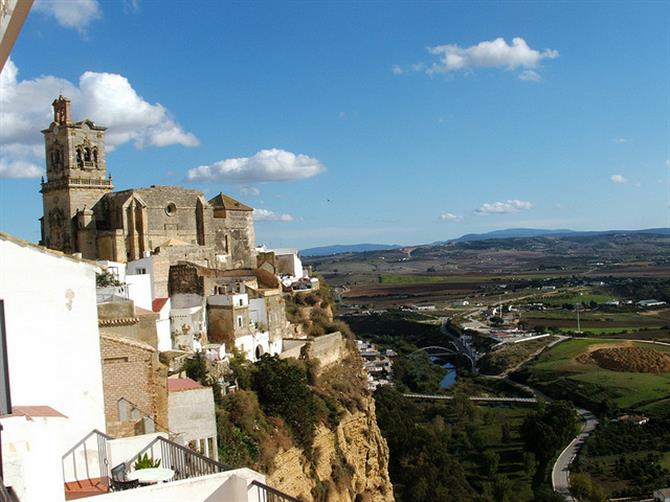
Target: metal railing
103,463
185,462
266,493
143,415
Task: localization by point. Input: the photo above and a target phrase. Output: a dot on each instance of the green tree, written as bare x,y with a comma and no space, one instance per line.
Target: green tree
502,489
581,485
196,368
506,432
489,463
283,391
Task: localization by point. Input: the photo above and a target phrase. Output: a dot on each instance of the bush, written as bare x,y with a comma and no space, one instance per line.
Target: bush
283,391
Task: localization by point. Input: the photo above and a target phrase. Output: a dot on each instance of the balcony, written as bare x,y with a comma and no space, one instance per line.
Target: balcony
196,477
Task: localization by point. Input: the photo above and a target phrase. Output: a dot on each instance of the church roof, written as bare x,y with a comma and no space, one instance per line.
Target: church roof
228,203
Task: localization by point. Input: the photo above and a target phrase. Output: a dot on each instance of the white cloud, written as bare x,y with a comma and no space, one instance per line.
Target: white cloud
18,169
450,217
618,178
530,76
397,70
267,165
509,206
267,215
490,54
250,191
77,14
621,140
107,98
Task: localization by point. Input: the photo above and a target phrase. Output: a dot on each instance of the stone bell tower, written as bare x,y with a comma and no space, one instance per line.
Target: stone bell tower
76,181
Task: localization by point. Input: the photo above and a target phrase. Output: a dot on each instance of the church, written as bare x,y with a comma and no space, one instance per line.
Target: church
82,213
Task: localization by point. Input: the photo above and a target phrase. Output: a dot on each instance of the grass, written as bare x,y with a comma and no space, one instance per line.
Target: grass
600,331
427,279
558,369
577,298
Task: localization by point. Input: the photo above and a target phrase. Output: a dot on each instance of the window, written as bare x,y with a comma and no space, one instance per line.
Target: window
171,209
241,302
239,321
140,271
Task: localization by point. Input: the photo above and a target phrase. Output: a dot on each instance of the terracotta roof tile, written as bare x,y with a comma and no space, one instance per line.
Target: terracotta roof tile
158,304
36,411
179,384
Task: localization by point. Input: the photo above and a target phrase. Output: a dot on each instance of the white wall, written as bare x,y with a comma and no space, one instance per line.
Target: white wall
164,338
135,267
32,457
229,486
191,415
123,449
139,290
257,312
248,344
53,342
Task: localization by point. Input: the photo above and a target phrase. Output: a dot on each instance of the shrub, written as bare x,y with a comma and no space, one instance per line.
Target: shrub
283,391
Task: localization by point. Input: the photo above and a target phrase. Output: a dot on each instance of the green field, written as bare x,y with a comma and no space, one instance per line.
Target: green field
557,370
577,298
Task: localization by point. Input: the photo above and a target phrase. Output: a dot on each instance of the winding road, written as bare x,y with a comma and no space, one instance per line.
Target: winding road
560,474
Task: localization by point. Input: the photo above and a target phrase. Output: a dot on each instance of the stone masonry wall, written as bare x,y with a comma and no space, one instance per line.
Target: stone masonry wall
131,370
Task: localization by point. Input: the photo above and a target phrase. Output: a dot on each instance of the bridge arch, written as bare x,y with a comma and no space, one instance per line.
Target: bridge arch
437,350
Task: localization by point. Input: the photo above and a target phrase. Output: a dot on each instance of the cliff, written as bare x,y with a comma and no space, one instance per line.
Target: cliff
350,464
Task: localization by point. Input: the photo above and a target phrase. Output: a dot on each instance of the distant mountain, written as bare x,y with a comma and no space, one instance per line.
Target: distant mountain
536,232
346,248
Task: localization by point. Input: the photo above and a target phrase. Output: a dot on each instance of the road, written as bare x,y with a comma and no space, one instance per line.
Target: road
560,474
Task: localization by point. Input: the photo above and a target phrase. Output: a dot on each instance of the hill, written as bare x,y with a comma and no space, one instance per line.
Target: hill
346,248
510,233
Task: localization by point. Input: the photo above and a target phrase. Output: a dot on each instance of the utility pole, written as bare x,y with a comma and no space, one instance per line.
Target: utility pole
579,329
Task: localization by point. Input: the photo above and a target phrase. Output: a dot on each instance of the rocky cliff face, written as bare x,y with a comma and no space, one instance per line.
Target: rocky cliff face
350,463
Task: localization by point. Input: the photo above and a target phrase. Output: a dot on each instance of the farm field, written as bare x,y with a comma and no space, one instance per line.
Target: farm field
565,371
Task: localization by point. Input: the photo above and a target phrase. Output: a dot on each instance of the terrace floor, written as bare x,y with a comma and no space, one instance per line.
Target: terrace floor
85,488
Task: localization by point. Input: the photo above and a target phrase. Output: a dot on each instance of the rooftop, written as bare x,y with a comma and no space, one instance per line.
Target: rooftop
180,384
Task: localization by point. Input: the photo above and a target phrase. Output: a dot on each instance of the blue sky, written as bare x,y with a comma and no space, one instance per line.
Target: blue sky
358,122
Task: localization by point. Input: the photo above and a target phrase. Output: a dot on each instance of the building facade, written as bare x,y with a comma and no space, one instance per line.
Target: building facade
83,215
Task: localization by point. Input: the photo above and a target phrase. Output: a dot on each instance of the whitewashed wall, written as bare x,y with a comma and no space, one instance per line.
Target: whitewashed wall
53,342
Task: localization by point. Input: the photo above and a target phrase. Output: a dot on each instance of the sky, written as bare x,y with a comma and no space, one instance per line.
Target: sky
349,122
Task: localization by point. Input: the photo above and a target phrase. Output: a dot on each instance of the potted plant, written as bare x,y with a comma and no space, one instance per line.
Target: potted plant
145,462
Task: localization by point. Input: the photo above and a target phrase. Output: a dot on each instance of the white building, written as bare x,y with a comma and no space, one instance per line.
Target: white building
162,306
191,415
55,376
187,321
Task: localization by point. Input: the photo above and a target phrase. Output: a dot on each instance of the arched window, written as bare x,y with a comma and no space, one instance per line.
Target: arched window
87,154
79,158
95,155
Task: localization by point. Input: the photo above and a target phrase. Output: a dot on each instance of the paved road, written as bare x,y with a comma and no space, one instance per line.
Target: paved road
560,474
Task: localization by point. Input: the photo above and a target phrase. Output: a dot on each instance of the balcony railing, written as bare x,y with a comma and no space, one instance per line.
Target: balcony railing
266,493
94,444
185,462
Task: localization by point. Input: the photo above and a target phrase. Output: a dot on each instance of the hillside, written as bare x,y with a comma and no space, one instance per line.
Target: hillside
345,248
